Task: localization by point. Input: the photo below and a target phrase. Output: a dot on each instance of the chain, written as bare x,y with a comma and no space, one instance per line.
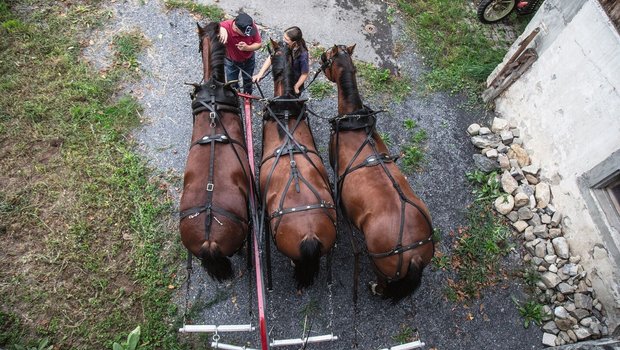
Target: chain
189,281
331,306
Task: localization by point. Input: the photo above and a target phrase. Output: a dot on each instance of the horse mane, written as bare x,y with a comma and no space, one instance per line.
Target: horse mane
348,81
218,51
282,68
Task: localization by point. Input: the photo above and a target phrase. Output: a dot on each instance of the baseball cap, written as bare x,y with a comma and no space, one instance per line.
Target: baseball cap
244,23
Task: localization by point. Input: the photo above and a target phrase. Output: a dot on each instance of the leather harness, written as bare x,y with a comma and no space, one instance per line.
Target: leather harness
213,97
366,119
281,110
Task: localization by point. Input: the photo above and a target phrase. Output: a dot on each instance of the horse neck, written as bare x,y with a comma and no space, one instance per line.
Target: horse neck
349,99
208,71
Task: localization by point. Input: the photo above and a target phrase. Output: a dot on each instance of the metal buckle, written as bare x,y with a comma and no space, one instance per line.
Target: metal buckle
210,187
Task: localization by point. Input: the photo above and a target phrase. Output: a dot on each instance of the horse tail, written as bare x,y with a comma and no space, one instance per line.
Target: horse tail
400,289
307,268
215,263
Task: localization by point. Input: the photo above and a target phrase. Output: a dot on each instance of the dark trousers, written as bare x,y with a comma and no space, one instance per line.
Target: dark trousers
246,68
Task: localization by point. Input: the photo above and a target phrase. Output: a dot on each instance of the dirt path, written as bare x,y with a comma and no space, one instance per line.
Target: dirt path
490,323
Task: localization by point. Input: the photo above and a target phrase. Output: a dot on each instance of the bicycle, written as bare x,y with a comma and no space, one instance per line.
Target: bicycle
492,11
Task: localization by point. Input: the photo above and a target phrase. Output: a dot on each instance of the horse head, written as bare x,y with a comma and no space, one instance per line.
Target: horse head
213,51
341,56
282,69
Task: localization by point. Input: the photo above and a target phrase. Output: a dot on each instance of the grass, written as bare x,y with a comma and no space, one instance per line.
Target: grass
375,81
127,48
87,257
412,153
208,12
457,48
321,89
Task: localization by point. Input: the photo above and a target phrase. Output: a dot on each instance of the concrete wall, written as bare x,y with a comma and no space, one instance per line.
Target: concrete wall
567,107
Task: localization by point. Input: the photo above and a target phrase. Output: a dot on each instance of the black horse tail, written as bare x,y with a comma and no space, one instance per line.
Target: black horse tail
400,289
217,265
307,268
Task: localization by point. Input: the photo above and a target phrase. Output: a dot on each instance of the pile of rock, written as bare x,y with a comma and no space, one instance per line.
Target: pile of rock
573,312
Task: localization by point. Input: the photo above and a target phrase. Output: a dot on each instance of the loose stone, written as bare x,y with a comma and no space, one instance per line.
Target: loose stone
509,184
550,280
499,124
521,199
542,194
549,339
520,225
561,247
473,129
504,204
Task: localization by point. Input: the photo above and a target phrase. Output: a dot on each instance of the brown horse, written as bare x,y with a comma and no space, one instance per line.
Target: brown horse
214,205
295,190
374,194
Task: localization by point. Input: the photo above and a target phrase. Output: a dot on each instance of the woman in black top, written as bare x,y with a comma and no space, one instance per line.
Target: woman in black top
293,37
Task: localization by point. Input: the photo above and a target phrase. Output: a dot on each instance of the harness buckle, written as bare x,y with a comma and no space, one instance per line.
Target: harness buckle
193,215
210,187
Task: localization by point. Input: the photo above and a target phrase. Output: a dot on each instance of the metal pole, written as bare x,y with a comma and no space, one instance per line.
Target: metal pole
413,345
217,345
260,288
207,328
299,341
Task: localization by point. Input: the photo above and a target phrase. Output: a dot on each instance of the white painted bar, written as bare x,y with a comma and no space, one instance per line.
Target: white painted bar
299,341
413,345
217,345
208,328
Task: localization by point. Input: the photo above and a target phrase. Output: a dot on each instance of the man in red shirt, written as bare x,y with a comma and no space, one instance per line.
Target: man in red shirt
242,39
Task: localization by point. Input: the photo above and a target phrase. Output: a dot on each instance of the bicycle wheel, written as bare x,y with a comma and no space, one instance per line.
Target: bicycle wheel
491,11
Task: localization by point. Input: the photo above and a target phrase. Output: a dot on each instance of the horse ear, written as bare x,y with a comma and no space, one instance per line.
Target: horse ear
335,49
200,29
350,49
274,44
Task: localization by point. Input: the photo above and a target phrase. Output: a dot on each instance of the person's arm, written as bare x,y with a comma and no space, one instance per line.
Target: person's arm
245,47
262,70
300,82
305,69
223,33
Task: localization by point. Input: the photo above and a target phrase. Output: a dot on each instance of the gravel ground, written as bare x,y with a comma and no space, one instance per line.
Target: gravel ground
492,322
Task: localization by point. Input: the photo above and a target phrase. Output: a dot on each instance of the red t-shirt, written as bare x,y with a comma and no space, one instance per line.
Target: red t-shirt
232,52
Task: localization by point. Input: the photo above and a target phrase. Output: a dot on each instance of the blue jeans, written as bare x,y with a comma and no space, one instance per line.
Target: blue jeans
246,68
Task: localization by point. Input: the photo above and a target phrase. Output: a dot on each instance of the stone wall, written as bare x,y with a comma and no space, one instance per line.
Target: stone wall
567,107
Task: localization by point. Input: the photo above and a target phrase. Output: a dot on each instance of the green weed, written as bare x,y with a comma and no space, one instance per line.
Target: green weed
209,12
321,89
385,137
405,335
132,341
375,80
412,155
531,311
487,187
316,51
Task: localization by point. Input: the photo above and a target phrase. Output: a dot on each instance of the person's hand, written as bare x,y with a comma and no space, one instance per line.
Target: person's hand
257,78
242,46
223,35
296,89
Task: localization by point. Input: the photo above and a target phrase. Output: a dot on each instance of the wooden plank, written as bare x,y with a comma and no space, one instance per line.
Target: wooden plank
612,8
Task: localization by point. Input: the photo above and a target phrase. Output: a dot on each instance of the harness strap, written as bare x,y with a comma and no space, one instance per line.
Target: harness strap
401,249
282,212
372,160
197,210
